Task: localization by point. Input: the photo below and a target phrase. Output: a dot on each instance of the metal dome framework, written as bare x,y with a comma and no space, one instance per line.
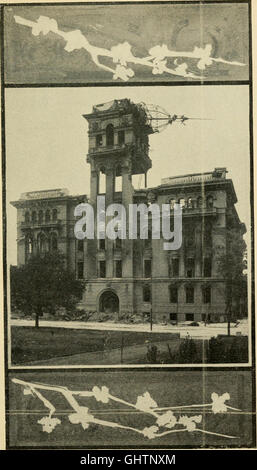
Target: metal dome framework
158,118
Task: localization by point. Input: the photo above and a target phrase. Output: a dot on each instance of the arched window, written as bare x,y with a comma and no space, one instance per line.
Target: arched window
210,202
190,204
54,242
27,217
182,202
47,216
200,202
29,245
172,202
40,217
54,215
42,243
109,135
34,217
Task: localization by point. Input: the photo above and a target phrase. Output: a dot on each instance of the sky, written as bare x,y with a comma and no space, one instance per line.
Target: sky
47,142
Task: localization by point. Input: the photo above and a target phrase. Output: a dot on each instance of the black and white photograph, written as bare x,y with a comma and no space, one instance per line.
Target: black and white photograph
128,229
128,301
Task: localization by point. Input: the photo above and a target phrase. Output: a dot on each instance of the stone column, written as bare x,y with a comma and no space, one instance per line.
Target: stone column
198,251
181,261
91,246
94,186
110,183
127,198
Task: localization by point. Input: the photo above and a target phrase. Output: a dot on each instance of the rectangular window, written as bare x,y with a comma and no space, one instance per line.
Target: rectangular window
173,295
148,268
173,317
175,267
99,140
102,244
207,267
189,317
118,268
190,295
102,269
190,267
121,137
146,294
207,295
118,244
80,245
80,270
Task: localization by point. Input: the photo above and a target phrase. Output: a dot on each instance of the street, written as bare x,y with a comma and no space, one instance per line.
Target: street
198,332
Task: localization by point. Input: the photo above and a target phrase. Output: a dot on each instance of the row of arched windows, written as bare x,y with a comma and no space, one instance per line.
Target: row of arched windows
41,216
191,203
42,243
109,134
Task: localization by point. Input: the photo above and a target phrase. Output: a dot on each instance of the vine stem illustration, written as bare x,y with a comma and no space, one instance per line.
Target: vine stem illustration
121,54
144,403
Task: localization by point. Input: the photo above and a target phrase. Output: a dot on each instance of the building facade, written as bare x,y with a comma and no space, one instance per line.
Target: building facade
137,276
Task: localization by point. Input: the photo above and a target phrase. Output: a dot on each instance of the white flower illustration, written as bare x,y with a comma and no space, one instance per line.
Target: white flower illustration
167,419
159,52
159,66
121,53
75,40
125,73
190,422
44,25
218,402
145,402
205,56
150,432
81,417
101,394
49,423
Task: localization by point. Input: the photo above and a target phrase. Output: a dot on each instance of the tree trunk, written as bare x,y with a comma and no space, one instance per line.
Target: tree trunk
229,321
38,314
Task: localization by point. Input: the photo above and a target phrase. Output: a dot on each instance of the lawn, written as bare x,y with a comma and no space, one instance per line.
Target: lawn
34,344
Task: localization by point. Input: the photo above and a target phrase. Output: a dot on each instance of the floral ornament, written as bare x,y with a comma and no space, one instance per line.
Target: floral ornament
49,423
159,66
182,68
218,402
167,419
145,402
125,73
205,54
44,25
121,54
150,432
101,394
190,422
159,52
81,417
75,40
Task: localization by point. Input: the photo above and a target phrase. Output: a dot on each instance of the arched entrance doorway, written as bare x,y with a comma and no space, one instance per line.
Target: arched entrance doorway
109,302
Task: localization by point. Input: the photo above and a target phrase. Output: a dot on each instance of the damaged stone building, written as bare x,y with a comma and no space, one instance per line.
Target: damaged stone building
136,276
